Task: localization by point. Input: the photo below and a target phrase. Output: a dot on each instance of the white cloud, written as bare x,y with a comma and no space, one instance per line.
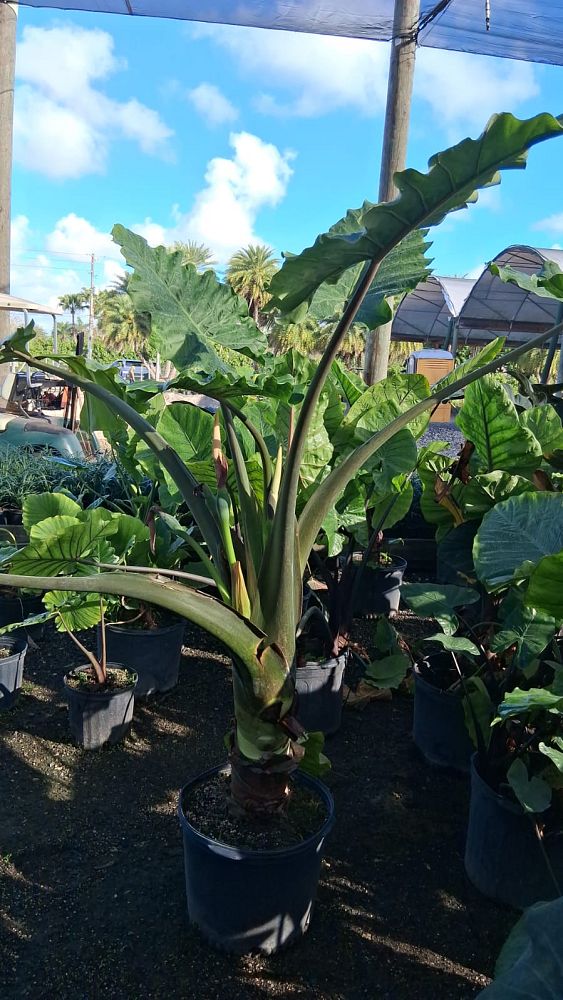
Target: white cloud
464,90
315,74
225,210
321,74
63,122
223,216
62,265
212,105
551,224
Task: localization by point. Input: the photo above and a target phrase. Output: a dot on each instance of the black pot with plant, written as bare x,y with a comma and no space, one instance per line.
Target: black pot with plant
148,642
12,659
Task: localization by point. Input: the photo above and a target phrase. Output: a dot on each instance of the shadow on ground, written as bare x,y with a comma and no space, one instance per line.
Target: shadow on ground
92,896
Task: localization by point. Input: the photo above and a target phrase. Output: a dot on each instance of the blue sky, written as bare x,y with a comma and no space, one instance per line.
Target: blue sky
228,135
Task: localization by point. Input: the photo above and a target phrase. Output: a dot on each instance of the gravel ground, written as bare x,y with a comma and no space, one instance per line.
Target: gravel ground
91,872
443,432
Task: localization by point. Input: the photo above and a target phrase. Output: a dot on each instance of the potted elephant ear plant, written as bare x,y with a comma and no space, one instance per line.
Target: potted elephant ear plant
254,830
516,803
100,694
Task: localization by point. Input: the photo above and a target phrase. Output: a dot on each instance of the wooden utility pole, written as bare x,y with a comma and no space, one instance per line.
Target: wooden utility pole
90,343
8,21
394,154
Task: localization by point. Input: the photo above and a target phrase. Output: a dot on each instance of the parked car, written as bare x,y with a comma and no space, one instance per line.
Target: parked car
131,370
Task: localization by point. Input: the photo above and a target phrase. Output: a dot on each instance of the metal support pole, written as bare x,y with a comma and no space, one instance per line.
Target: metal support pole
394,155
8,21
455,337
549,360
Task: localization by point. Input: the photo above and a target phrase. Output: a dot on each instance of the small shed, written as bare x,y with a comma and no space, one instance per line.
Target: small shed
434,364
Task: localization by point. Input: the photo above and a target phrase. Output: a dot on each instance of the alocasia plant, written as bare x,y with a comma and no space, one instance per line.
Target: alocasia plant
259,551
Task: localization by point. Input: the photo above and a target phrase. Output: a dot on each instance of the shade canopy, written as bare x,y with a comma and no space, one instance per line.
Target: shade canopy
494,308
519,29
11,303
425,313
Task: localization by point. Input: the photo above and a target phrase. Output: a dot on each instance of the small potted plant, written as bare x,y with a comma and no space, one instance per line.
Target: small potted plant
100,694
514,847
12,658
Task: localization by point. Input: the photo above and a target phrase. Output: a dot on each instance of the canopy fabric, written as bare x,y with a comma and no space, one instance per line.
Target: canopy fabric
494,308
519,29
11,303
425,313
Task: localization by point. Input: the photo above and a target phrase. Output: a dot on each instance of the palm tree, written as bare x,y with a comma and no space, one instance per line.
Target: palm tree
249,273
122,328
310,337
195,253
74,302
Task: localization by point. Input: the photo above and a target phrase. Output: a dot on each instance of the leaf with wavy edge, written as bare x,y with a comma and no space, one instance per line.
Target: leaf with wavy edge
424,199
515,535
489,419
190,312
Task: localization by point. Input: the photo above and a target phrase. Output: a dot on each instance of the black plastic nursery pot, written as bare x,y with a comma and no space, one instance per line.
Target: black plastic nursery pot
17,609
503,857
379,591
153,654
98,718
439,729
419,553
250,900
11,669
319,693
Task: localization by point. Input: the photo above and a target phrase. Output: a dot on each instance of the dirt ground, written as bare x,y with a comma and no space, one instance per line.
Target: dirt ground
91,868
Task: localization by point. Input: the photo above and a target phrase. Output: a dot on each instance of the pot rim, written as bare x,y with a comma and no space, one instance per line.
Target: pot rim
13,641
124,630
253,854
421,679
101,694
502,800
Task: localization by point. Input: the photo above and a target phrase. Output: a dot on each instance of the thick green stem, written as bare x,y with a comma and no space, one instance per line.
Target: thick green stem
278,602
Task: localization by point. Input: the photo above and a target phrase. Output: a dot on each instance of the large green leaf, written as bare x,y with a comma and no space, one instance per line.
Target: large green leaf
545,424
388,672
188,429
545,589
454,643
73,611
270,382
191,313
530,965
515,535
424,199
528,629
489,419
548,283
38,506
553,753
533,793
66,545
486,489
380,404
438,601
518,702
401,271
390,507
